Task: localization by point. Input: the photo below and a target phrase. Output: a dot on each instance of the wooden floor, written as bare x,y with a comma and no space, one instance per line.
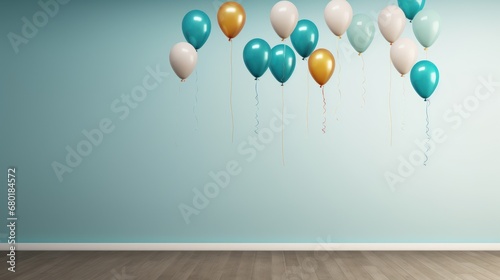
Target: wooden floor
253,265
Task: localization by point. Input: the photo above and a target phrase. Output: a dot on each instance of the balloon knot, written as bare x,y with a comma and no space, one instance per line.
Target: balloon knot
230,39
359,54
425,49
282,84
402,75
391,44
340,37
256,79
183,80
303,59
282,39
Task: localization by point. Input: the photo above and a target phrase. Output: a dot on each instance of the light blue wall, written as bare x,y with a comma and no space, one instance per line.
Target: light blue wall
65,79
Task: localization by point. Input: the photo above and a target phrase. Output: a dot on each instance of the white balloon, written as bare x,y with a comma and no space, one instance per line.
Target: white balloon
183,59
404,54
338,16
392,23
284,18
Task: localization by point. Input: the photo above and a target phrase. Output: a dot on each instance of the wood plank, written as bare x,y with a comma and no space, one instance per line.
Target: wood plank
204,266
450,264
262,267
392,272
245,268
317,261
292,265
375,273
446,274
339,259
219,260
476,264
308,265
355,261
331,265
486,261
395,257
410,258
230,269
278,266
182,260
476,276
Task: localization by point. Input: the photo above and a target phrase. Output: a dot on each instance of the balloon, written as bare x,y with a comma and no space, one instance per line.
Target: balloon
361,32
183,59
284,17
231,17
411,7
424,78
305,38
427,27
321,66
338,16
282,63
392,23
404,53
256,56
196,27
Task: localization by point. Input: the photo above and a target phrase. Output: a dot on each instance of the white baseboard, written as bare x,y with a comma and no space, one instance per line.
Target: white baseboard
253,247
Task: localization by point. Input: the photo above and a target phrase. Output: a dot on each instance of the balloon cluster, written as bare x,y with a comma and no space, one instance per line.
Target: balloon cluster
304,35
196,27
424,75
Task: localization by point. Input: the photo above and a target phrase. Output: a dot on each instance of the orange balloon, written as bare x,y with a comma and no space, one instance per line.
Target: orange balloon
321,66
231,18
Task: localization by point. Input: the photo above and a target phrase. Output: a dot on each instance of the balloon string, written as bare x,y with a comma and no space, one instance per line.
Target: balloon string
426,54
176,120
390,106
339,81
283,125
231,91
307,103
324,109
364,81
257,106
196,101
427,131
403,123
284,61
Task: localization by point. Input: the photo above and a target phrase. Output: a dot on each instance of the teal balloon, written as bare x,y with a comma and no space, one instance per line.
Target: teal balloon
361,32
196,27
257,56
282,63
411,7
305,38
424,78
427,27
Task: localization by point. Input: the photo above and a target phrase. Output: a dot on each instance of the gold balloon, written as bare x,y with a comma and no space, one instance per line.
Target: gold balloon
321,66
231,18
